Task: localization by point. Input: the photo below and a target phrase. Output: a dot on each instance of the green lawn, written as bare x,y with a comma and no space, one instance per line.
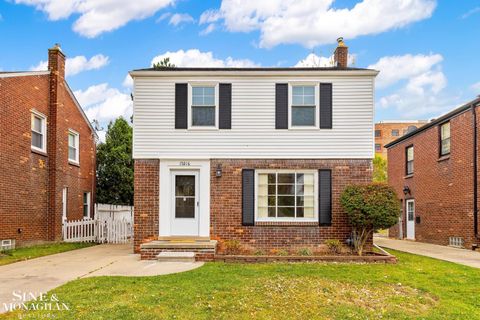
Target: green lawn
27,253
416,287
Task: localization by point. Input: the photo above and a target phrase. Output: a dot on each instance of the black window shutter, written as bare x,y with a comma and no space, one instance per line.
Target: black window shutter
325,197
325,106
281,106
248,197
181,105
225,106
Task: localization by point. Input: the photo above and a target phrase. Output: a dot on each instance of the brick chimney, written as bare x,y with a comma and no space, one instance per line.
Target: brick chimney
341,54
56,61
56,66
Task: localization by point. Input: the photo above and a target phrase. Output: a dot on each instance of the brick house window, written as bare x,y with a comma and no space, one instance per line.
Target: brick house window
303,107
409,160
286,196
378,147
73,146
445,139
395,132
203,106
39,131
378,133
86,204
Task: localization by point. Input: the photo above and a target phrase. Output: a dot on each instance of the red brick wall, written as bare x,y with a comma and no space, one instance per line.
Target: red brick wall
30,181
23,173
226,204
442,187
146,201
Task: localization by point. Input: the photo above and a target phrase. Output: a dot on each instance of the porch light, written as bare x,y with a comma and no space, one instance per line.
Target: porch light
406,190
218,171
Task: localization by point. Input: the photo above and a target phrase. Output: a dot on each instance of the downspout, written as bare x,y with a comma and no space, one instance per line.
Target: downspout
475,175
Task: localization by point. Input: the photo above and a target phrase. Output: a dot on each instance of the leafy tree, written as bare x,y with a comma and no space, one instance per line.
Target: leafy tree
115,165
164,63
369,208
379,169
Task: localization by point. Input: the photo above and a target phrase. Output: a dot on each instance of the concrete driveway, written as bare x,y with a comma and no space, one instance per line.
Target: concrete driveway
46,273
460,256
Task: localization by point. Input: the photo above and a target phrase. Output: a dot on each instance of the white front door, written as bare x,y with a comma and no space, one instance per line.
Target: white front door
64,203
410,210
185,203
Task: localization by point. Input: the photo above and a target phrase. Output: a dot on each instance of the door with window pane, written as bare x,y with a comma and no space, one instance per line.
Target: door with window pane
185,203
410,211
286,196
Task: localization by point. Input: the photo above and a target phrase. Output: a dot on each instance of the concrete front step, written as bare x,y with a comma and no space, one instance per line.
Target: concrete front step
180,244
173,256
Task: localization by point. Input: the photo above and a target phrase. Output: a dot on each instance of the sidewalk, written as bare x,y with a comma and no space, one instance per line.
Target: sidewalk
460,256
46,273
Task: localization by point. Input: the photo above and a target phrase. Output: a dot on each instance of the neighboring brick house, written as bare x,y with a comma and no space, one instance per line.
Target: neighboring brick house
258,155
47,158
434,170
388,130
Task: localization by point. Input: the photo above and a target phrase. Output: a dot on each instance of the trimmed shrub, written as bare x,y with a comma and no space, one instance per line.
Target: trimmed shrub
369,208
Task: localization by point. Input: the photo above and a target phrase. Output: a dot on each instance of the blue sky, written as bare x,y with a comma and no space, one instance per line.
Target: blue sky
427,50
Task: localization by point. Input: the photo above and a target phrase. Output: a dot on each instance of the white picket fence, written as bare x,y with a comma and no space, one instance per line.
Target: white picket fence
111,224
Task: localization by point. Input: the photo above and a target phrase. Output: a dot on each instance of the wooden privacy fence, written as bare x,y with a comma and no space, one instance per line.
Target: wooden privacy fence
111,224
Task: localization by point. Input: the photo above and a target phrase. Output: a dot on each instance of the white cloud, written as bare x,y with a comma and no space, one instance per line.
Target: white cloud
208,29
179,18
128,81
77,64
103,103
395,68
476,87
313,60
469,13
197,58
98,16
316,22
422,92
163,16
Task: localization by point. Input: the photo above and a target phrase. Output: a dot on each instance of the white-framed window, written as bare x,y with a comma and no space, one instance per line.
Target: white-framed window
286,195
86,204
303,105
39,131
73,146
203,106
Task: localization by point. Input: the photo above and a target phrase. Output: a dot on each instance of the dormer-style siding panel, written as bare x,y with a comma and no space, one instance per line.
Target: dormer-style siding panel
253,132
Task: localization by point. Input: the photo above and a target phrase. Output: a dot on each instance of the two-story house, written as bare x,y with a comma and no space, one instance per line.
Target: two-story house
259,155
435,170
47,155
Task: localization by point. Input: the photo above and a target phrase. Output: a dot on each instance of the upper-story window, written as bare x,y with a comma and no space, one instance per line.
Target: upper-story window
303,111
378,133
378,147
409,160
73,146
445,139
395,132
203,106
39,131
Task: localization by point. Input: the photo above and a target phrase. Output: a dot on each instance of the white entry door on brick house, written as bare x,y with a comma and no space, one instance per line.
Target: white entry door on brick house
185,203
410,211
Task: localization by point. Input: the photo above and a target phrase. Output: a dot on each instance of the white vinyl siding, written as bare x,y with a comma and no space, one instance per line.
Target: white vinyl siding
253,133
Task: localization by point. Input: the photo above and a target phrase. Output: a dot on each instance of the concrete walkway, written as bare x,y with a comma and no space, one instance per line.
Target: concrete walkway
460,256
46,273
